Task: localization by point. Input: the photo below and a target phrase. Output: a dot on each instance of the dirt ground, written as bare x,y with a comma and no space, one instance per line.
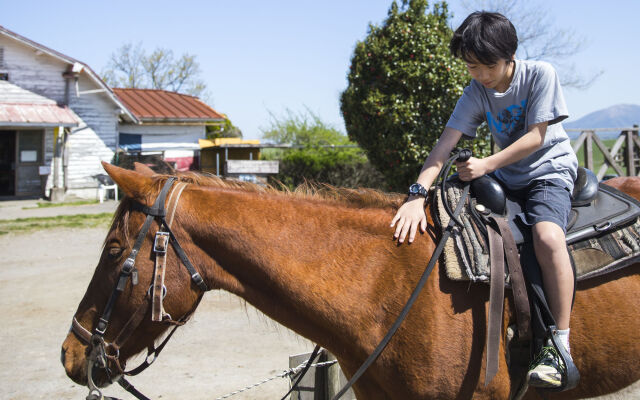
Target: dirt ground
43,275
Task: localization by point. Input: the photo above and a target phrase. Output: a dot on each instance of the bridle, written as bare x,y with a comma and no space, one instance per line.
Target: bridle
100,351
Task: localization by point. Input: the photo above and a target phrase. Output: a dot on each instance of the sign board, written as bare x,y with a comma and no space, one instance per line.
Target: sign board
252,167
44,170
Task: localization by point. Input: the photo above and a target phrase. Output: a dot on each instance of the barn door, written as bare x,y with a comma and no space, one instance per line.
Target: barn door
29,158
7,163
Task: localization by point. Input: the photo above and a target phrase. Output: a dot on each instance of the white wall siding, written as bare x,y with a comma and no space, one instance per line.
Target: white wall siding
95,139
34,71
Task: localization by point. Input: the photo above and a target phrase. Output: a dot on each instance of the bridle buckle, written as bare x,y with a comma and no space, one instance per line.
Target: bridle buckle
161,242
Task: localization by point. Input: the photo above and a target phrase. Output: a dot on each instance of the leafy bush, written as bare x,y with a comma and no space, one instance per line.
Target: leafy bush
403,86
309,159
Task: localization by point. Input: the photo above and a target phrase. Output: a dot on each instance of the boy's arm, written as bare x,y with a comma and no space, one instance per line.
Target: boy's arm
411,215
521,148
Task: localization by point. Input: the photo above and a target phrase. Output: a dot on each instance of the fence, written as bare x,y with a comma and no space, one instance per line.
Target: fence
624,164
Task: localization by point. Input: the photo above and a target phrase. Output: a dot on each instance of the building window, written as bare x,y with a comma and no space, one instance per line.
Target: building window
1,57
4,76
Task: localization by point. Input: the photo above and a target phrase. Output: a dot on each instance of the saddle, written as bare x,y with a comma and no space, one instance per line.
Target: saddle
596,208
603,234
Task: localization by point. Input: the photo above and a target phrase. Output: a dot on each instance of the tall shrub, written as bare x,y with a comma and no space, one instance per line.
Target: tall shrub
403,86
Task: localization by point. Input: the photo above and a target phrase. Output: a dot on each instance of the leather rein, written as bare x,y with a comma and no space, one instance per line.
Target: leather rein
100,351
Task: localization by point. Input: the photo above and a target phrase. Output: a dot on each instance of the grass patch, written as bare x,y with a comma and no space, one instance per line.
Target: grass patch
25,225
47,204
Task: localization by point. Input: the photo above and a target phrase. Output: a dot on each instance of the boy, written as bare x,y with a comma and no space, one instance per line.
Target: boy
522,103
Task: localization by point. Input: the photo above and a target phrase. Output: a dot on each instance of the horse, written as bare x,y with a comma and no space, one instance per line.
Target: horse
324,263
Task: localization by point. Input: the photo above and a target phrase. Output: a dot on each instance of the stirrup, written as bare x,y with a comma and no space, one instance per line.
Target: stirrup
571,376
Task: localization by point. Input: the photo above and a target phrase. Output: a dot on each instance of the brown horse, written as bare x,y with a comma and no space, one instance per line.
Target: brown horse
328,268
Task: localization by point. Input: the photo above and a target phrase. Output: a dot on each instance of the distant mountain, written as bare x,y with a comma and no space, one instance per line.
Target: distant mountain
618,116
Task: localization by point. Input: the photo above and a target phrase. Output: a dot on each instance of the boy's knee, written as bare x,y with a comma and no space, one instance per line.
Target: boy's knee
548,236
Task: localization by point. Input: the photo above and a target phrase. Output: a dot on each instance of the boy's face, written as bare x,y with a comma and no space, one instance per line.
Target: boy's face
494,76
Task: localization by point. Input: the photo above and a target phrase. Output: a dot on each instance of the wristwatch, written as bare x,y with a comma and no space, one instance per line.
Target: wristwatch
417,190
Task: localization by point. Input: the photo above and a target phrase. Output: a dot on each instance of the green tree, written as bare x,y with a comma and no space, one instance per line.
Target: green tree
319,153
131,67
403,86
225,129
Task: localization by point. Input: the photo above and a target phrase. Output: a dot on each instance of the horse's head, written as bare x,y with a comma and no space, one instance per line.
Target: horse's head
114,319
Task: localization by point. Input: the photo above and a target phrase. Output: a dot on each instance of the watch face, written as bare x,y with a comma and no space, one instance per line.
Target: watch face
416,188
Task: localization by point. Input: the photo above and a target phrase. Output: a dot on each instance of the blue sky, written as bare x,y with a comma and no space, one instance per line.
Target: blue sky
260,57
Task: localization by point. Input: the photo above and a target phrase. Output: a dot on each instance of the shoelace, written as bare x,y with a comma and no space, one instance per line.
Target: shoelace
548,356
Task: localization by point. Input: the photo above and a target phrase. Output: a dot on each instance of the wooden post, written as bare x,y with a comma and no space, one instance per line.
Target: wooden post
631,163
311,383
588,150
321,383
336,381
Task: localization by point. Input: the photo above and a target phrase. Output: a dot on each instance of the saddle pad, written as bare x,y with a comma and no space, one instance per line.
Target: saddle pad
466,255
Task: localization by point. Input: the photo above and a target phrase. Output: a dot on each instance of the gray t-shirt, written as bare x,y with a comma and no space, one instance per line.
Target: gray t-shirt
534,96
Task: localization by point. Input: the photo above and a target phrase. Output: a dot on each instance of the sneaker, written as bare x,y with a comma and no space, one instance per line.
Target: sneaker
547,369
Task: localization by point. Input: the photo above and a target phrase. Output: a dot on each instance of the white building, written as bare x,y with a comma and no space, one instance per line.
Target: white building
58,120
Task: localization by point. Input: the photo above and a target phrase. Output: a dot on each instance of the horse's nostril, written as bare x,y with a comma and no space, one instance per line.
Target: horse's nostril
62,356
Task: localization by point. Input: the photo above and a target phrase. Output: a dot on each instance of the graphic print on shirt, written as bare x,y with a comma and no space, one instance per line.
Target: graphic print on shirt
509,121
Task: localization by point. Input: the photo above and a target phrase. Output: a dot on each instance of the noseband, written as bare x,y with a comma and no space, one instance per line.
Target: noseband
100,351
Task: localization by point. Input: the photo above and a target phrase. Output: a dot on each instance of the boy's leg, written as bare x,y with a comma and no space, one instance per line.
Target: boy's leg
551,251
548,206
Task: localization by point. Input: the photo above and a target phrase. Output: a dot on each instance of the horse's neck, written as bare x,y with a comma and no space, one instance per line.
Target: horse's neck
319,269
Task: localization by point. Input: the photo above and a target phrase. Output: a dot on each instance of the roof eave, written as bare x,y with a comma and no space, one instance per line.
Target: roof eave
38,124
181,121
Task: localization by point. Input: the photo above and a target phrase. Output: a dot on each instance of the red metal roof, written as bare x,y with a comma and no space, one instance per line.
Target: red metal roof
17,114
161,105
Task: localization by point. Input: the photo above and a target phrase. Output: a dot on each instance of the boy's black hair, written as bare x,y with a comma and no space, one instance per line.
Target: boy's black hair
484,37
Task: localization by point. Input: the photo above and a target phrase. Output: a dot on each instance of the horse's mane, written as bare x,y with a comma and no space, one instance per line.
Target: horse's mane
357,198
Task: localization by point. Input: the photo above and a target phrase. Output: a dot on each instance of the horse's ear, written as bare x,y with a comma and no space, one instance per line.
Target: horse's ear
132,183
143,169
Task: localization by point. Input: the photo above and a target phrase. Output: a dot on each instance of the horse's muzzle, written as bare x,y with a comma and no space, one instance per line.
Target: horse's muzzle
74,360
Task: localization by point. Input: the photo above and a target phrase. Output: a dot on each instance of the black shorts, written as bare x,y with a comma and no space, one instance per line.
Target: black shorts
546,200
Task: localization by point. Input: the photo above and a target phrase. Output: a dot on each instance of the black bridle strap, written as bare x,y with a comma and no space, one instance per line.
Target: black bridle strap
131,389
195,276
128,267
403,314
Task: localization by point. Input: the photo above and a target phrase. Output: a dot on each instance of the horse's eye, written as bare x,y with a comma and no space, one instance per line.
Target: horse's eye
114,252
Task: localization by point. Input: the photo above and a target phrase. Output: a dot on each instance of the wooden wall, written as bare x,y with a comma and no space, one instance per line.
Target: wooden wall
94,139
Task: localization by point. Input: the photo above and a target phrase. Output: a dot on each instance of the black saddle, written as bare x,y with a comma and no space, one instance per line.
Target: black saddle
596,208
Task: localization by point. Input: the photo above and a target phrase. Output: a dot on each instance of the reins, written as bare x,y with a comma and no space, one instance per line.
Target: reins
461,155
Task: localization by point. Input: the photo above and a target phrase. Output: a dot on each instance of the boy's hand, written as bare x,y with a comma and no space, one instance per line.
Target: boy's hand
472,168
409,217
